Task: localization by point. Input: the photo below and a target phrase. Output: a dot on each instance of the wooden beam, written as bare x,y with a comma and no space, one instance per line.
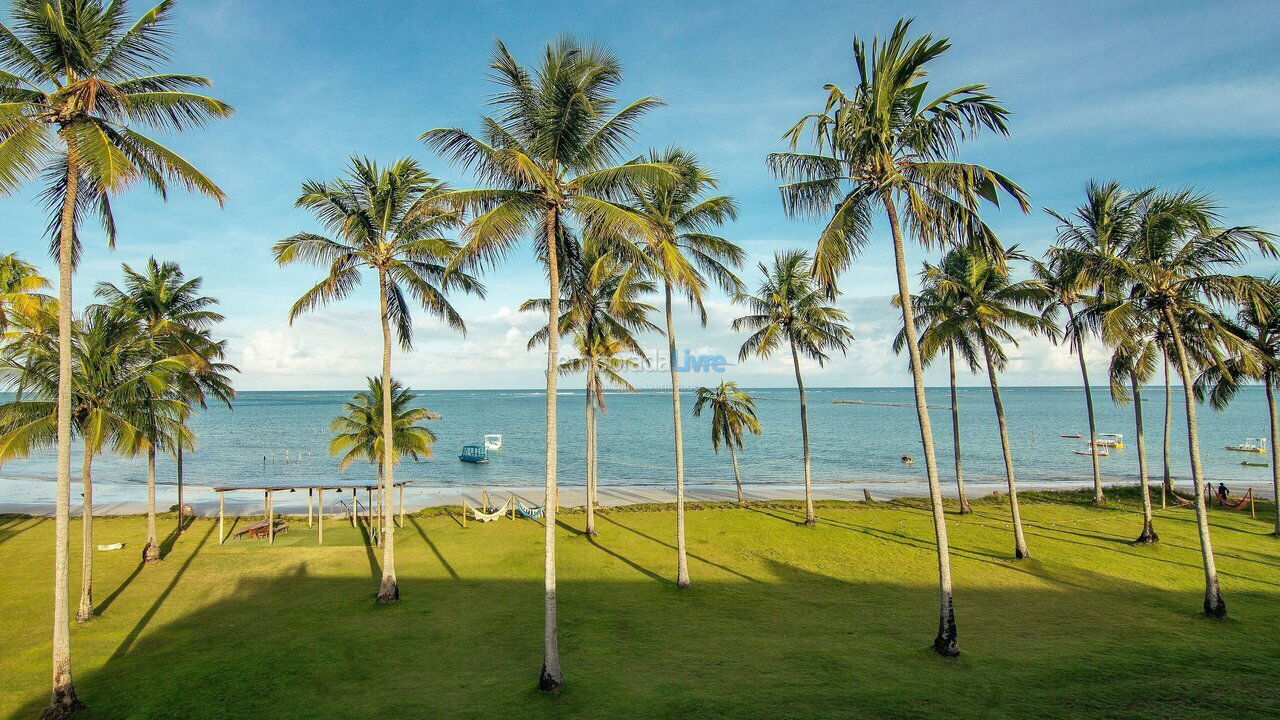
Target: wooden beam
222,534
310,492
353,507
271,518
368,511
402,506
320,520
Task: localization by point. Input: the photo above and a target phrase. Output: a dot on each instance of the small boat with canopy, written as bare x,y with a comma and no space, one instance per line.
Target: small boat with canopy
474,454
493,442
1253,445
1110,440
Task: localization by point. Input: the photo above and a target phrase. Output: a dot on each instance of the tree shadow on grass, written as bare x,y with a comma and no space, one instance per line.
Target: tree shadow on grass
17,526
693,555
295,644
155,606
423,534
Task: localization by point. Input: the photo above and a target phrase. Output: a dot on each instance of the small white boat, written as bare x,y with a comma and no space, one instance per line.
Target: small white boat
1110,440
1076,436
112,546
1101,453
1253,445
493,442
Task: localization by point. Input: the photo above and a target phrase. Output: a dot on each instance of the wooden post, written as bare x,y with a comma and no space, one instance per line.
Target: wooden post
402,505
353,507
866,495
310,491
271,519
320,519
368,511
464,512
221,532
1252,512
484,499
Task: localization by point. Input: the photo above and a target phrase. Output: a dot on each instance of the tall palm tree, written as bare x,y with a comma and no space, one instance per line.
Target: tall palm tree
932,310
989,303
78,78
602,311
20,290
1133,362
790,307
548,159
175,320
1257,358
885,147
1174,279
682,252
733,411
357,433
112,367
388,220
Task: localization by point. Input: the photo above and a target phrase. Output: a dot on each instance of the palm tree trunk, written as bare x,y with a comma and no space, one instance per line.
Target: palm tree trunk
682,563
809,519
388,589
1270,381
1019,541
180,505
63,701
151,551
737,478
1148,531
1213,603
85,612
1167,486
591,456
1098,497
946,643
965,507
551,678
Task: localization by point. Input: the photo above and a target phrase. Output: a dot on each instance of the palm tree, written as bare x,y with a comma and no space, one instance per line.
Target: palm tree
1174,280
932,310
357,433
1257,327
547,157
602,311
884,146
732,412
112,367
682,251
1133,362
789,307
175,320
988,304
20,286
387,220
78,76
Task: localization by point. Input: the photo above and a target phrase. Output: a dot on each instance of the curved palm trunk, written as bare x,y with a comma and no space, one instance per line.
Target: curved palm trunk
591,452
85,612
151,551
809,519
1270,381
1098,497
965,507
388,588
1167,486
63,700
946,642
551,678
1213,603
1148,531
1019,541
682,563
737,478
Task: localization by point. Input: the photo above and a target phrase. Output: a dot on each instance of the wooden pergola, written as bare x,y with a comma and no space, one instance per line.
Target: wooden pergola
315,497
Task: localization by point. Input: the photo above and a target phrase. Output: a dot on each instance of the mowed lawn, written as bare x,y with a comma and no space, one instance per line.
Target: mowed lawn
782,620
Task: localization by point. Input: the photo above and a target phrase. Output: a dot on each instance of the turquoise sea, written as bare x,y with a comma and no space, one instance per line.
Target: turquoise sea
858,443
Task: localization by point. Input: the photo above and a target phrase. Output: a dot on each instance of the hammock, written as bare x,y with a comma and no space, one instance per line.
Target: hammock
1241,504
532,512
490,516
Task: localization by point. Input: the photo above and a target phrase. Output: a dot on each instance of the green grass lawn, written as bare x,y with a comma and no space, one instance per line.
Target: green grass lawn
782,621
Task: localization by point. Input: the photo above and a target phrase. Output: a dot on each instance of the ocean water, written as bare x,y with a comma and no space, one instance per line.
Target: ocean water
851,443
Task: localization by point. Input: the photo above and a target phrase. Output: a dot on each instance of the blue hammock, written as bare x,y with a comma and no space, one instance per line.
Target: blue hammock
532,512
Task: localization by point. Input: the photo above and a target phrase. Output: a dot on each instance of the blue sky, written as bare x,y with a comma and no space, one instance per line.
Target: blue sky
1169,93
